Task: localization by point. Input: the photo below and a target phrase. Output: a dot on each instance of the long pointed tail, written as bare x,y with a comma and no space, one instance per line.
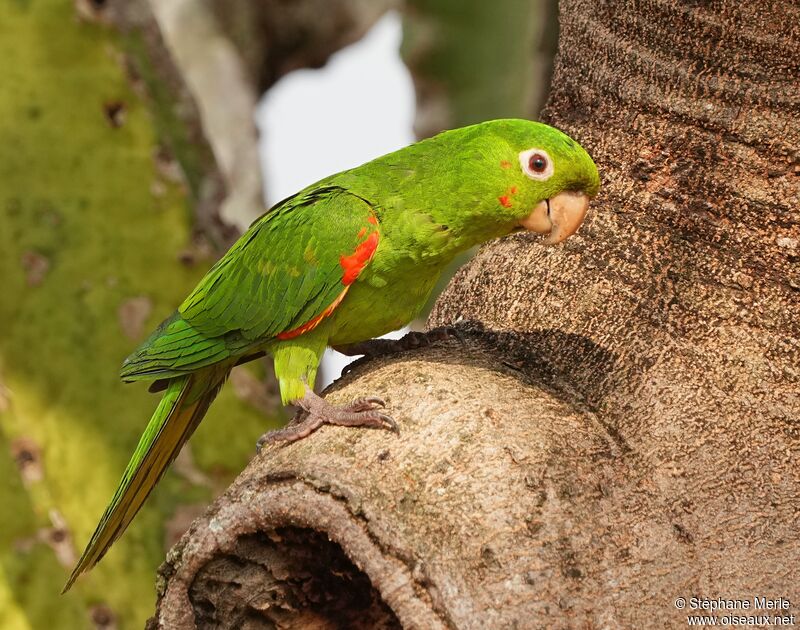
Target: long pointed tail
180,411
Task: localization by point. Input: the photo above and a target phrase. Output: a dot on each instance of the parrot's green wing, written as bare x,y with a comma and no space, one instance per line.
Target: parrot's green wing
284,275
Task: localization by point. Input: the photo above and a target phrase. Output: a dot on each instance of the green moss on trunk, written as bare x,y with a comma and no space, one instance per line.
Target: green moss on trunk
88,222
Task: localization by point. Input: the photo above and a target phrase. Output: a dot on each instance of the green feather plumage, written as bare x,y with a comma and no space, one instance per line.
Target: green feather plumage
181,409
428,202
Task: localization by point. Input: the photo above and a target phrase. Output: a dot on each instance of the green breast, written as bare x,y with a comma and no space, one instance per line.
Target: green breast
378,304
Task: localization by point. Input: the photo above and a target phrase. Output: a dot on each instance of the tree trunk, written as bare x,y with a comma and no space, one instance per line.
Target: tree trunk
621,428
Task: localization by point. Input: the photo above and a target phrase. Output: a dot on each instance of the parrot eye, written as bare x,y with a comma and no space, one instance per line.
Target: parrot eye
536,164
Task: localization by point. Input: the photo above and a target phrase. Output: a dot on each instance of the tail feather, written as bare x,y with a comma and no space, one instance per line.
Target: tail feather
183,406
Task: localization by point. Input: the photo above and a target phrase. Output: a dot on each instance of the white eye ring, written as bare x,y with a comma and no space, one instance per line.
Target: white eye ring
527,168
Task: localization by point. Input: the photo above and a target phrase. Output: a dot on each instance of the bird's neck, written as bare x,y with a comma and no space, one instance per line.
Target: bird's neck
432,237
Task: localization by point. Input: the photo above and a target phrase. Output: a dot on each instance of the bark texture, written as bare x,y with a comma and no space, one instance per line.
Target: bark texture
623,426
436,518
674,314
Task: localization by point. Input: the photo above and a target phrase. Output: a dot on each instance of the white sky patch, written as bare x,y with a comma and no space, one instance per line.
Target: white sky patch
317,122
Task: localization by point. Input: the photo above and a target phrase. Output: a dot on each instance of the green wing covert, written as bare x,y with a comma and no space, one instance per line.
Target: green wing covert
286,273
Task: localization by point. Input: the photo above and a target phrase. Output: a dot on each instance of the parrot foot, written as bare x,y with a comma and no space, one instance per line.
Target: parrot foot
315,411
410,341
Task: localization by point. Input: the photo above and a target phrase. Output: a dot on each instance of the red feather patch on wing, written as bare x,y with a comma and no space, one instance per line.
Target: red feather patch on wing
355,262
352,266
313,323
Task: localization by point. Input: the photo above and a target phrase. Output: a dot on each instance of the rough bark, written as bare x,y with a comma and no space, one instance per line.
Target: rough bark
674,315
436,518
626,431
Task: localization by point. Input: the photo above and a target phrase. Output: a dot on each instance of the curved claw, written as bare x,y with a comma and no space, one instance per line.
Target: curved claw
392,425
264,439
365,404
445,333
370,400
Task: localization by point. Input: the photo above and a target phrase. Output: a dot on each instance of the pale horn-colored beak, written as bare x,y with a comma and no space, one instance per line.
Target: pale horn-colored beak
559,217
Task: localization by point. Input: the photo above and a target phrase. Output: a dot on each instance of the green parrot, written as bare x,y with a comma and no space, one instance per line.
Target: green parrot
347,259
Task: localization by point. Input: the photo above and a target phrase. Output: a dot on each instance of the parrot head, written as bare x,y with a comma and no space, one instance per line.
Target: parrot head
542,179
509,175
481,182
554,178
